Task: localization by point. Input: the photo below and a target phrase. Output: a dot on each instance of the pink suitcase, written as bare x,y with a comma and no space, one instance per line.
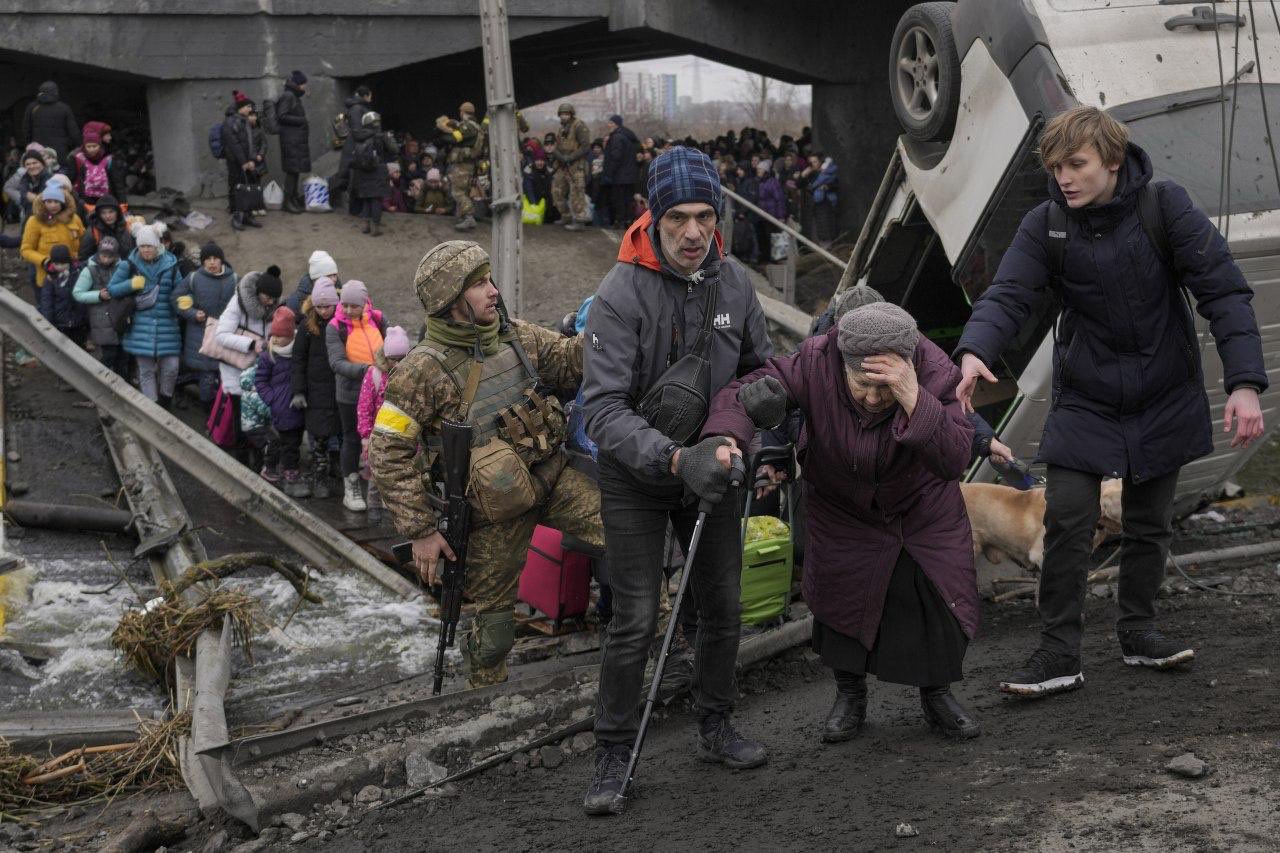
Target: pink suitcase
555,581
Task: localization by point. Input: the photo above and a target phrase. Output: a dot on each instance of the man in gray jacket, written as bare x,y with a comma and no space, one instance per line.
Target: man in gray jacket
649,312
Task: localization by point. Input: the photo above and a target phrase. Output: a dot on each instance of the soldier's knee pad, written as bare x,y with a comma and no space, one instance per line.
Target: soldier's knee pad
492,636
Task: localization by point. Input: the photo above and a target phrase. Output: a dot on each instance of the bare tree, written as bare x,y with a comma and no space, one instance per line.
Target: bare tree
762,98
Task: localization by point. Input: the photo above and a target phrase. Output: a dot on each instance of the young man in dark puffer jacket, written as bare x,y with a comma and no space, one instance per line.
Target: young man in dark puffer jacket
1129,399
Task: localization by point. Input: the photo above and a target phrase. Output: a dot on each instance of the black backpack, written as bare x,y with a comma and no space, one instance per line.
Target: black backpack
365,155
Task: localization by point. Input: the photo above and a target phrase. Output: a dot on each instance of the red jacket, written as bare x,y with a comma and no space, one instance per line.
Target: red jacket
872,491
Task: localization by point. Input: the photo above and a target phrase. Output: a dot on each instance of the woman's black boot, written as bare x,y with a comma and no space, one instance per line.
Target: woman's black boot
849,710
947,716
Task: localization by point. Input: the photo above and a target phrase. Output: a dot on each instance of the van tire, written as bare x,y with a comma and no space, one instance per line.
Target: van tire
924,72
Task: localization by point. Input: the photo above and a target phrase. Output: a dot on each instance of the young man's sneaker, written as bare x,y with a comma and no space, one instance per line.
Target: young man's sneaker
1148,647
720,743
603,796
1045,673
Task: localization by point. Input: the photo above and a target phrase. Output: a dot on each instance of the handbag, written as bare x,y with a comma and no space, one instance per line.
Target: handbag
248,197
222,420
210,347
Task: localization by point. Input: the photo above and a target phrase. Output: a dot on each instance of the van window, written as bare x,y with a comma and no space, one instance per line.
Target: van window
1182,133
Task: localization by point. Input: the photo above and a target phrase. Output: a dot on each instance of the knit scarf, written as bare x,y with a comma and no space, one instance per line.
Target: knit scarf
445,333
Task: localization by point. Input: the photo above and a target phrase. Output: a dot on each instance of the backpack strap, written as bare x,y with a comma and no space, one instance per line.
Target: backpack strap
1151,215
1057,231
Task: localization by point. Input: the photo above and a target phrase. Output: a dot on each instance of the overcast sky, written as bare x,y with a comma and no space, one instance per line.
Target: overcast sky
718,81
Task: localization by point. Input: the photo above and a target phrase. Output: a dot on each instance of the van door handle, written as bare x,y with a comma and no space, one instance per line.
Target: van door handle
1204,18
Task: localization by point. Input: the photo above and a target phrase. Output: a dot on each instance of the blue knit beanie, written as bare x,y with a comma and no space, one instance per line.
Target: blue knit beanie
679,176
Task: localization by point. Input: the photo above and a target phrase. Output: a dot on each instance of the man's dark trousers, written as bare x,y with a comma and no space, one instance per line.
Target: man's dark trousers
1070,519
635,518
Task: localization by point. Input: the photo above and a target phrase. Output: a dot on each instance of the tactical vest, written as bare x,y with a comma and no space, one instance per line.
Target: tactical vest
567,138
515,447
465,150
505,403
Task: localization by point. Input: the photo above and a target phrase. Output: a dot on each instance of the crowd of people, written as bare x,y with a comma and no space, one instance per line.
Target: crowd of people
50,141
567,175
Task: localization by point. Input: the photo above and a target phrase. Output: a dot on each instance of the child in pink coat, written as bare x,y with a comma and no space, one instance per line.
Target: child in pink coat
395,346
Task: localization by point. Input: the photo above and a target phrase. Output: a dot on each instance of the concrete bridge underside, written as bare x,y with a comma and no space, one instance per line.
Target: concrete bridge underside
180,59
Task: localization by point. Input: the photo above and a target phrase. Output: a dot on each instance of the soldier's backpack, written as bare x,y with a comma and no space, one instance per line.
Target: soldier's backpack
270,121
215,141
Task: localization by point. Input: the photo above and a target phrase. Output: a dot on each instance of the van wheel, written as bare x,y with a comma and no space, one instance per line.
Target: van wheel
924,72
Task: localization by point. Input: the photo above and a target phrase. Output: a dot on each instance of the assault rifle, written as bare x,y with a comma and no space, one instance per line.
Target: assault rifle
455,526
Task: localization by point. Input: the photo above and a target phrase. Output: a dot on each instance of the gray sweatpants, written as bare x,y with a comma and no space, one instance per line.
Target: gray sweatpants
161,372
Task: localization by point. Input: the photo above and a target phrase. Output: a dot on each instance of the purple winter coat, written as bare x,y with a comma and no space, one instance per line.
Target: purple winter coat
771,197
873,491
273,382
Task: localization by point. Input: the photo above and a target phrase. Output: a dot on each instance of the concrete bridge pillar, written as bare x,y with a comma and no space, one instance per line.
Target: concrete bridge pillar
181,113
855,124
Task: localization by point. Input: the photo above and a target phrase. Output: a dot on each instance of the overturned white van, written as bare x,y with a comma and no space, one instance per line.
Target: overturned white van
973,84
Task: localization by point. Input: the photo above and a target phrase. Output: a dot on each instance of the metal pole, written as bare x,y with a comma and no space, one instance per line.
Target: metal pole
504,155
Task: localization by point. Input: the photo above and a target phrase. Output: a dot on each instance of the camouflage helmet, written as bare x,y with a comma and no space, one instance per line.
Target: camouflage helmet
467,108
566,107
443,273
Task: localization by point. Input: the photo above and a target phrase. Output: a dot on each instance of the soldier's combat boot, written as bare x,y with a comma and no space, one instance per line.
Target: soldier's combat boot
720,743
467,223
375,229
602,795
849,710
572,224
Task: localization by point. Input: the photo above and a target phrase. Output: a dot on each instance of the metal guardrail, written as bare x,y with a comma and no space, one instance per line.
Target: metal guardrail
296,528
200,680
773,220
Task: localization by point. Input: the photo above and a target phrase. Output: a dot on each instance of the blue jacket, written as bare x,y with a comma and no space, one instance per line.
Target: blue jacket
153,332
1128,397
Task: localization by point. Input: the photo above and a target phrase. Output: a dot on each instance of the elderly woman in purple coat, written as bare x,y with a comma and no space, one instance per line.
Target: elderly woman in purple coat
889,569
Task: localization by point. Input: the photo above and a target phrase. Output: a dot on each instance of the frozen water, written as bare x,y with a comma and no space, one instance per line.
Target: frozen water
360,636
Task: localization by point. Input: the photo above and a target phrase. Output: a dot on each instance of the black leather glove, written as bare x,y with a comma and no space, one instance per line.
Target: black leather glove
765,401
701,472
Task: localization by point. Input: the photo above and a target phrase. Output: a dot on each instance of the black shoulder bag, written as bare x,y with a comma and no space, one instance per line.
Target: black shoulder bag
678,403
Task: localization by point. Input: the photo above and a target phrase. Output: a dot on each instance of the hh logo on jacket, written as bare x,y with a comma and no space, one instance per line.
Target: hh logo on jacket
721,321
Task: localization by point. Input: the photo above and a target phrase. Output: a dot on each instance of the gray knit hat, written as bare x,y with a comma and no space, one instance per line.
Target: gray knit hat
876,328
853,297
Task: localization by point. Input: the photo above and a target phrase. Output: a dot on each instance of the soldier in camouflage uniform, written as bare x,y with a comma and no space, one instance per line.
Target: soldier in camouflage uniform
569,184
473,368
468,142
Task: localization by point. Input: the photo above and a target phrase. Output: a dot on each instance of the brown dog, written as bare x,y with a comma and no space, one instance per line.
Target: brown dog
1009,523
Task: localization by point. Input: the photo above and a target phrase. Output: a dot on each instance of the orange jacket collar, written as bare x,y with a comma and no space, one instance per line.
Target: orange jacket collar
637,248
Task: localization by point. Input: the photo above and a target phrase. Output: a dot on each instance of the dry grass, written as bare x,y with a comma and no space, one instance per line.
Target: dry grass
153,637
92,774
